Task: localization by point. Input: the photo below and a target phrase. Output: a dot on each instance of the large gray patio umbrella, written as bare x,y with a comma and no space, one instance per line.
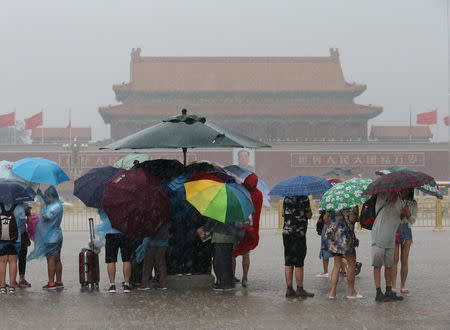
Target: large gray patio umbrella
185,131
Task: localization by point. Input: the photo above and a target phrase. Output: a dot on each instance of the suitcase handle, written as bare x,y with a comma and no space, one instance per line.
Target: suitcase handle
91,231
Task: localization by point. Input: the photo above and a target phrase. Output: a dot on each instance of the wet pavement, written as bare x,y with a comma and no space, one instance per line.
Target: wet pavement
261,305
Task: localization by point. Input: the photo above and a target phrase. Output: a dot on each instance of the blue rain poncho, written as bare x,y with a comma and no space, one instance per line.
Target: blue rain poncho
21,219
104,228
48,237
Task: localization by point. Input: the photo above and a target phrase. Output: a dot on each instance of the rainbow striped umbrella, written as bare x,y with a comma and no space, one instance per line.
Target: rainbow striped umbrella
224,202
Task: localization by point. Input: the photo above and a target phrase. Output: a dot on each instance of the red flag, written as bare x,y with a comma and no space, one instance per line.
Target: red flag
446,121
427,118
33,121
8,119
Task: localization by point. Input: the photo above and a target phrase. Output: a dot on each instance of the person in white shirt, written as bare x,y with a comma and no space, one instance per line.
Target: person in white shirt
390,209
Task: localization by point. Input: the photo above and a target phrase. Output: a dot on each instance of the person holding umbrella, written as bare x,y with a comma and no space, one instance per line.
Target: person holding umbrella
296,213
49,237
340,240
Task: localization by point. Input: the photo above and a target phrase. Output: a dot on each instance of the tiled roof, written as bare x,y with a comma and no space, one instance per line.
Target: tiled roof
62,133
165,110
400,132
237,74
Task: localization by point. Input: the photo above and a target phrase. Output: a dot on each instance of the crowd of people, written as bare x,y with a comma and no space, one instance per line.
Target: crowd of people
391,233
391,241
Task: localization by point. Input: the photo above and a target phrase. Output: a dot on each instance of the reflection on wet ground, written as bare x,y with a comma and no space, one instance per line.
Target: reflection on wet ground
261,305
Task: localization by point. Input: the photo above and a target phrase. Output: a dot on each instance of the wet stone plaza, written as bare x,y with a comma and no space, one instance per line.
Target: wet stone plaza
261,305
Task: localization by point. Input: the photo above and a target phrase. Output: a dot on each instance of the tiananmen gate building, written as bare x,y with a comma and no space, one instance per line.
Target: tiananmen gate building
288,99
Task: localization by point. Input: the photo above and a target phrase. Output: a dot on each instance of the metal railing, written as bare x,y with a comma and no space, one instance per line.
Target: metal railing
431,213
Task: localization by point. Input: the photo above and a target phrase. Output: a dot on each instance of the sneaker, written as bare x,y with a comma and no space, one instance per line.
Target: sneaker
112,288
216,287
322,275
179,274
12,289
236,280
126,288
393,296
303,294
59,285
188,274
49,286
143,288
24,284
3,290
244,282
164,288
382,298
290,293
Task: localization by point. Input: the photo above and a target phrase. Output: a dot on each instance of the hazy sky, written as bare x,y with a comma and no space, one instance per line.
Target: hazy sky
59,54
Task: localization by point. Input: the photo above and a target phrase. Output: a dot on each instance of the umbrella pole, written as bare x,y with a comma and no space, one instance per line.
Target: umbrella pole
184,155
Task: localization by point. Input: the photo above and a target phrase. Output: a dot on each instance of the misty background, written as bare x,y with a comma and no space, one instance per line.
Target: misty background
61,55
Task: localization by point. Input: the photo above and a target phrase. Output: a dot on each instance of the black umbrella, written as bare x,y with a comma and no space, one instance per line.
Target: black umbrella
163,169
89,188
12,192
185,131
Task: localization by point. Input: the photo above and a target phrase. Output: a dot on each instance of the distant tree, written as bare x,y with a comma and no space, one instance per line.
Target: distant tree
7,134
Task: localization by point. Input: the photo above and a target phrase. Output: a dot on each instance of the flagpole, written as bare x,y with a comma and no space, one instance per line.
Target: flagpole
42,128
410,124
70,126
448,81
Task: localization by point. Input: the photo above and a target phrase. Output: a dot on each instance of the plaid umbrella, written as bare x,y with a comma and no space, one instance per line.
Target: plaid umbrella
430,188
301,186
397,181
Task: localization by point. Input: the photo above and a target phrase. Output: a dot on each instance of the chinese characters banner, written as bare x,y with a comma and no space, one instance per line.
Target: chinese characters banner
381,159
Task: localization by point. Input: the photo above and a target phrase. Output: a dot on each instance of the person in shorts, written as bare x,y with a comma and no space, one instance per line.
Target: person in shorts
296,212
403,241
10,249
390,210
114,242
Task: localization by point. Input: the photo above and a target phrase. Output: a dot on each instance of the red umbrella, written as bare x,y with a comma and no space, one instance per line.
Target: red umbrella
397,181
333,181
135,203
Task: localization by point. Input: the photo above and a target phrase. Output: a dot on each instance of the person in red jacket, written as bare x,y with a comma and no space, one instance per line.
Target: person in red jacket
251,237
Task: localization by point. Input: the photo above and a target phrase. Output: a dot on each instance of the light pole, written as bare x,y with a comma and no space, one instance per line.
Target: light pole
448,81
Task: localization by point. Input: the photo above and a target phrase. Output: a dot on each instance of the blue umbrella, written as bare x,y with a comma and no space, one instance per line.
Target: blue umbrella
89,188
241,174
12,192
39,170
301,186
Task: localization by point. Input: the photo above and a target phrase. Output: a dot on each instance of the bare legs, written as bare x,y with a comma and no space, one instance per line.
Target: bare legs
54,268
401,253
289,273
111,267
3,260
335,275
245,265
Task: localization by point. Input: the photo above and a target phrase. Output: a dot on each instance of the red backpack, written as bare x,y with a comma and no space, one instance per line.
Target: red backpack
8,225
368,214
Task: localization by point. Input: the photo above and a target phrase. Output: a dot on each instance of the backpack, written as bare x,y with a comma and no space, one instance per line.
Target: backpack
320,224
368,214
8,225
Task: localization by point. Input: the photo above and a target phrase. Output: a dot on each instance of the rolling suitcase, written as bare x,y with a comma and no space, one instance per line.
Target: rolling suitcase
88,262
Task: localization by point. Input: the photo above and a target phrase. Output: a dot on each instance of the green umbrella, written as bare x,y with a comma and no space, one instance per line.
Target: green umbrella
185,131
127,162
345,195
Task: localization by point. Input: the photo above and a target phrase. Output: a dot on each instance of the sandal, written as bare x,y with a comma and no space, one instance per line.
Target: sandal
404,291
358,296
